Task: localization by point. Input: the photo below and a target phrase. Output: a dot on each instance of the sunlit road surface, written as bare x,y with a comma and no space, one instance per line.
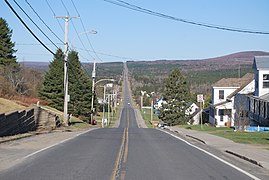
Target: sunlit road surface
126,152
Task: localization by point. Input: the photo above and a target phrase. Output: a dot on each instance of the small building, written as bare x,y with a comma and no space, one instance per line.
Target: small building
158,104
222,111
259,102
194,113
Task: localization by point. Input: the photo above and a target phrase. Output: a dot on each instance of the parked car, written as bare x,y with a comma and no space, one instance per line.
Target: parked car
162,125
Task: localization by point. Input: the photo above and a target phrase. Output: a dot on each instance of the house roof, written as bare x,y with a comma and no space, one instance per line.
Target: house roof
245,81
261,62
234,82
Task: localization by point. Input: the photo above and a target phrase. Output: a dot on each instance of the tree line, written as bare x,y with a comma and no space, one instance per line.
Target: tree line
15,79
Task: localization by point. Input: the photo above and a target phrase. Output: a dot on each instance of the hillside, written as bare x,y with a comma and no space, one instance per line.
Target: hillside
223,62
103,70
149,75
9,106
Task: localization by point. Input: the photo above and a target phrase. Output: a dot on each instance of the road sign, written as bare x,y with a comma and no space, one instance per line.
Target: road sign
200,98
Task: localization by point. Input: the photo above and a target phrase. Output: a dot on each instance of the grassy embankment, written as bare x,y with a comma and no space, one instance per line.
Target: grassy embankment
146,114
261,138
9,106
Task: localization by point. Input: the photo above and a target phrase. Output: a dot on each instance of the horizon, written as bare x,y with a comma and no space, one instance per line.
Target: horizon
156,59
126,35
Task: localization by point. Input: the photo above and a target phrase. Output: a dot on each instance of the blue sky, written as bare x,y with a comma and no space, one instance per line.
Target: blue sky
131,35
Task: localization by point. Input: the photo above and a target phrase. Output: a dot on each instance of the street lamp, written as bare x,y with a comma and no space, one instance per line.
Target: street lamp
93,72
93,87
82,33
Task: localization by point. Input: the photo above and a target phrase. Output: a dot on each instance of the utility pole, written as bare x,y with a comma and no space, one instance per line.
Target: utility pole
93,84
66,96
103,119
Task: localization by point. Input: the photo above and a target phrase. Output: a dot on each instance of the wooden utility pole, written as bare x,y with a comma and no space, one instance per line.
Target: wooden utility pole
66,96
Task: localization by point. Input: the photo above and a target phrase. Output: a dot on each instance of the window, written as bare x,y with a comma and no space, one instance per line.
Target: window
221,112
225,112
266,81
221,94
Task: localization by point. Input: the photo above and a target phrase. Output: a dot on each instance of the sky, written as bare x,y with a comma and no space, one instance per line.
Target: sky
124,34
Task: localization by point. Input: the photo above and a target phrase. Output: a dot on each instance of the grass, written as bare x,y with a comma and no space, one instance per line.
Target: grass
146,114
75,122
258,138
261,138
9,106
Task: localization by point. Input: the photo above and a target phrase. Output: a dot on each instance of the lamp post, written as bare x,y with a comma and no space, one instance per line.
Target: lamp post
93,72
152,99
92,104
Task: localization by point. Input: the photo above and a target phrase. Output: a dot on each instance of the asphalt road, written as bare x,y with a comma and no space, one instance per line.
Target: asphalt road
126,152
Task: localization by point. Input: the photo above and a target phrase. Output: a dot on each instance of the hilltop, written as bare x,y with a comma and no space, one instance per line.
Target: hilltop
201,74
217,63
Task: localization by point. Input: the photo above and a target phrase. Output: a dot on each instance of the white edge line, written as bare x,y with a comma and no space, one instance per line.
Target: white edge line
214,156
36,152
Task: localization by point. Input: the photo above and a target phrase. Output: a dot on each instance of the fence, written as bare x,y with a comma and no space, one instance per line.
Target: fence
19,122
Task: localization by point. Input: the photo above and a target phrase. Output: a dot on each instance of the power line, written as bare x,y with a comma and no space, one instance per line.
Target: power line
25,25
79,37
32,44
54,15
35,24
43,21
154,13
84,29
110,55
65,7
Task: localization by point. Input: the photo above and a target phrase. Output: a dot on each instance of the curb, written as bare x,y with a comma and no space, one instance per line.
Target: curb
245,158
16,138
196,138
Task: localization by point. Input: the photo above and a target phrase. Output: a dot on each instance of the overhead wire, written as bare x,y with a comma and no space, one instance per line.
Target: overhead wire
54,15
25,25
35,23
110,55
154,13
80,38
84,29
65,7
43,21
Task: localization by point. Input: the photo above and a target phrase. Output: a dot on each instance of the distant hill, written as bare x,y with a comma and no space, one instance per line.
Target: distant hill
149,75
223,62
103,70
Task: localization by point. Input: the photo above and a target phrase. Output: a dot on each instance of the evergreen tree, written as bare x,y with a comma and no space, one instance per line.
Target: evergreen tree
7,50
52,89
177,95
79,87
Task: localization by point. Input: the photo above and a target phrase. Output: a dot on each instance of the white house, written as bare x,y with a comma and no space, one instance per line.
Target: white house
158,104
193,111
195,114
259,102
222,111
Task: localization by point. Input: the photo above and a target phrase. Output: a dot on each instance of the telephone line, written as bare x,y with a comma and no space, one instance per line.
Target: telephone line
25,25
35,23
80,38
43,21
54,15
154,13
84,29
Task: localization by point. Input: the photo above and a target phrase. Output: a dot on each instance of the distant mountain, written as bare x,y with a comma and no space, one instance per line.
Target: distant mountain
223,62
149,75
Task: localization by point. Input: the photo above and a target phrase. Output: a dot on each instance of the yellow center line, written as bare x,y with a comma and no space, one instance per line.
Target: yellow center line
116,166
123,153
126,147
128,118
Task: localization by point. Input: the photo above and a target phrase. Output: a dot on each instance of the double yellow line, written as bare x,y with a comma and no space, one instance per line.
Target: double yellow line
118,172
